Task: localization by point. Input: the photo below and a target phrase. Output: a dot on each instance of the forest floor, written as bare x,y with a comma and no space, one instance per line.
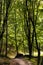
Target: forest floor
6,61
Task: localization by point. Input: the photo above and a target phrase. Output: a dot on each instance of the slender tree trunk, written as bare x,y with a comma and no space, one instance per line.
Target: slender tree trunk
0,25
6,38
16,33
5,18
28,28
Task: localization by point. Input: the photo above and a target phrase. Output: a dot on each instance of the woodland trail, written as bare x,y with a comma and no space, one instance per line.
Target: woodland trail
18,61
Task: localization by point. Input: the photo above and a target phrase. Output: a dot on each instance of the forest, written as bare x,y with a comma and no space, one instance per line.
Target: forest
21,31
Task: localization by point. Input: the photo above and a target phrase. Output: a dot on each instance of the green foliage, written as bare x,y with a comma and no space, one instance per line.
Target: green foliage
16,33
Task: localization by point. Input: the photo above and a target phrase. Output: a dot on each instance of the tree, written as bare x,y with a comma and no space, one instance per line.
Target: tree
0,23
31,18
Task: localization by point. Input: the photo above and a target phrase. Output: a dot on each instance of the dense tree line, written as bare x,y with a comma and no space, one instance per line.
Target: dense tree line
19,22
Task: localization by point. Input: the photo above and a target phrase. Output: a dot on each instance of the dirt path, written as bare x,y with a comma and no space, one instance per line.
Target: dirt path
18,61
